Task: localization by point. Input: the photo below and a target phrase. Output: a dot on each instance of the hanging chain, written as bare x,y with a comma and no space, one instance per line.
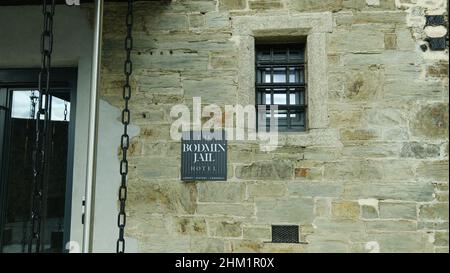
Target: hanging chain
33,98
48,10
125,139
65,110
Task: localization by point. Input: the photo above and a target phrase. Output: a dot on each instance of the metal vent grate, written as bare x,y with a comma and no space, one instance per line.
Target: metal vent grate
285,234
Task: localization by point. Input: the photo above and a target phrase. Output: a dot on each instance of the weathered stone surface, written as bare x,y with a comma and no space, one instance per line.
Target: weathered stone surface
284,248
221,192
257,233
434,211
246,246
368,212
398,210
169,149
441,238
208,89
442,196
395,134
364,84
163,243
223,60
308,173
352,171
373,2
322,207
401,242
232,4
433,170
390,41
311,5
196,20
225,229
215,20
291,210
190,225
444,249
166,22
239,210
337,226
315,189
402,88
345,118
265,170
386,58
265,4
371,150
396,191
431,225
419,150
438,70
405,39
188,6
266,189
369,40
368,17
431,121
155,167
317,246
167,197
207,245
345,210
358,134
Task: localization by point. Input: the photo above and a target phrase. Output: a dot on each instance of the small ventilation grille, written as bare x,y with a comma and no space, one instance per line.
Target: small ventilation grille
285,234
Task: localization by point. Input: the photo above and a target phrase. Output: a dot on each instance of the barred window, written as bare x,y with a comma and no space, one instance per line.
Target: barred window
280,80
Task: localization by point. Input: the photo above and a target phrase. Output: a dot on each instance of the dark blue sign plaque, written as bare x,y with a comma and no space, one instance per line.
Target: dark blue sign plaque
203,156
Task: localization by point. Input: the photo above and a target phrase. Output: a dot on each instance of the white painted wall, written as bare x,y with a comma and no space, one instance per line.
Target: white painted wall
20,29
108,180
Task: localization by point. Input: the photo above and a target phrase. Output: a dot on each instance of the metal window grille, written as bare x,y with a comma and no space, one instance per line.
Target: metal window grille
285,234
280,80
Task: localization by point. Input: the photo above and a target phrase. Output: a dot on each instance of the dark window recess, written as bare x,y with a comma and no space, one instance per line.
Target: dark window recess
437,43
285,234
434,20
280,80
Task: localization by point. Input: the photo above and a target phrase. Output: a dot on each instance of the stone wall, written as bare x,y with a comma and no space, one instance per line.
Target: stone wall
373,177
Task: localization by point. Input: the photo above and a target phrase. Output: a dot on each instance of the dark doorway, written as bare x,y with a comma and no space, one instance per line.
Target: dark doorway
18,113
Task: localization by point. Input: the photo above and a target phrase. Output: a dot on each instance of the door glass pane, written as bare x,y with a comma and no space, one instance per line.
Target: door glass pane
19,179
25,105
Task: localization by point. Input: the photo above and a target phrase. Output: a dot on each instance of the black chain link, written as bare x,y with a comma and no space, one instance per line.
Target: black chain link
48,10
125,139
65,111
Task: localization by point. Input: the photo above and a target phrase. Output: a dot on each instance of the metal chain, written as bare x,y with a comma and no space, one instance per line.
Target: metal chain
125,139
65,110
33,98
48,11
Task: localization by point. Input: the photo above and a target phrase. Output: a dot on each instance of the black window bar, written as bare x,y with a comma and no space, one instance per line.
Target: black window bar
280,80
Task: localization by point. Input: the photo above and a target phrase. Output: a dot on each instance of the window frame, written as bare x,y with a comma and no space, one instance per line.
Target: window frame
299,63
